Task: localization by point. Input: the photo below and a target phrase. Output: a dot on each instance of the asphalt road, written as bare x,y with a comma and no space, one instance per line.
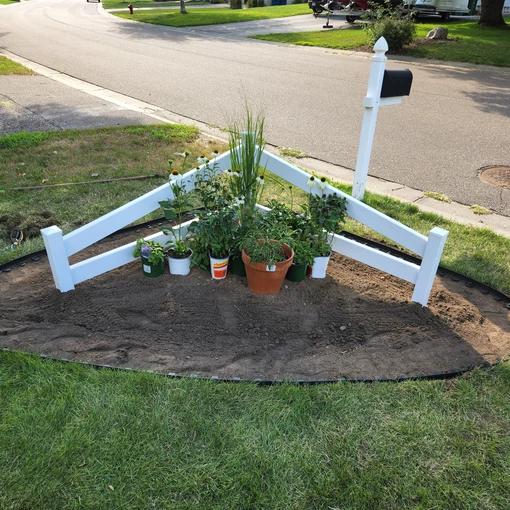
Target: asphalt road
456,121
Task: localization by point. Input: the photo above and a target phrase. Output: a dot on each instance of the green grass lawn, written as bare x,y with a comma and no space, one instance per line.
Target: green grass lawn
212,16
9,67
137,4
72,437
35,159
467,42
7,2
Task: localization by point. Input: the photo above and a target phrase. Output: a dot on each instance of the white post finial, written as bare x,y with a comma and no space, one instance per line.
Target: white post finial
371,104
381,45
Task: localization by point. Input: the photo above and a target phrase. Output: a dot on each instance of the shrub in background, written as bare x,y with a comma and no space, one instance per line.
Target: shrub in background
236,4
395,24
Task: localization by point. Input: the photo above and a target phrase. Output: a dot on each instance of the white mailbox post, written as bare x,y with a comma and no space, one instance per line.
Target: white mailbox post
384,88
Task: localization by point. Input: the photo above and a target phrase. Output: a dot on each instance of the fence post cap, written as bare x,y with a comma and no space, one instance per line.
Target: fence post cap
51,230
381,46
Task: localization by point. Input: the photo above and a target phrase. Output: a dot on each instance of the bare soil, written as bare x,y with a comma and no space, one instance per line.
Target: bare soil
356,323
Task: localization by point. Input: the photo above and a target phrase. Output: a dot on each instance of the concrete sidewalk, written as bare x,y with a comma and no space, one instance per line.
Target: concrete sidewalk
51,101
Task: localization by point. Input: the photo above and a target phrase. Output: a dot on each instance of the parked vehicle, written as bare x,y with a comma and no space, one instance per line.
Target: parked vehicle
352,9
443,8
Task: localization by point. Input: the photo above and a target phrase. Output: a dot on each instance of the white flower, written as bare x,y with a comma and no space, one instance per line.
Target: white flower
311,182
239,201
238,173
202,160
183,154
214,154
260,179
175,177
322,183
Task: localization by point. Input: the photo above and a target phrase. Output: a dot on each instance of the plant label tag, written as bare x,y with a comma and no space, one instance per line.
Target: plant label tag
271,268
146,269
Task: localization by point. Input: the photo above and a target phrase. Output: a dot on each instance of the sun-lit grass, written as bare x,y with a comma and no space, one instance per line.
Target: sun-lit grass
468,42
336,39
137,4
9,67
72,437
213,16
73,156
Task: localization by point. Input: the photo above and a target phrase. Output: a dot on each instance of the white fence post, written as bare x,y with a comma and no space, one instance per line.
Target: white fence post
371,104
57,256
429,265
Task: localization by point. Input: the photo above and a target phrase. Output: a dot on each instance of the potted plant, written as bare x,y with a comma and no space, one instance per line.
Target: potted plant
303,257
325,213
266,255
179,252
245,178
152,255
215,229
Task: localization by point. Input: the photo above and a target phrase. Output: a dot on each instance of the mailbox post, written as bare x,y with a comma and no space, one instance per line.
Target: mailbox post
384,88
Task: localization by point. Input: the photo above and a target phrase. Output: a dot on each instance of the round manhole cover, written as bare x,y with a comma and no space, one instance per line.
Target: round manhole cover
497,176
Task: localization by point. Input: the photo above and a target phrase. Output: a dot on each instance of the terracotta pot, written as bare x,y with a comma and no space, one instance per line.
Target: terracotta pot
264,280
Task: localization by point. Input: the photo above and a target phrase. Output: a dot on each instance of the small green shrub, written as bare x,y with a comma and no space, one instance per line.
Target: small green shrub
395,24
236,4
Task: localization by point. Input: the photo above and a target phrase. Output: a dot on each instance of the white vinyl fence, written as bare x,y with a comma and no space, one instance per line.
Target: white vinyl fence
59,248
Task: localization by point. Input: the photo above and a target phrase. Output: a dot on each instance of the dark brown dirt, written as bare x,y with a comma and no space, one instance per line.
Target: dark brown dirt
355,323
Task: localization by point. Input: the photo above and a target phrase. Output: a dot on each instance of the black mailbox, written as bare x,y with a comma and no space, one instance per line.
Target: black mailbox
396,83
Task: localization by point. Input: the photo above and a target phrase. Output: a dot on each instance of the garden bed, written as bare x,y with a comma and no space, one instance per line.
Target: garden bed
356,323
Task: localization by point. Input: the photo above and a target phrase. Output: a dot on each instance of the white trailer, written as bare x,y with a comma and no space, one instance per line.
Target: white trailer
443,8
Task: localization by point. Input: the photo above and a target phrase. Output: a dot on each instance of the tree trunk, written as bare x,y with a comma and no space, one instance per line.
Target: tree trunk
183,7
492,13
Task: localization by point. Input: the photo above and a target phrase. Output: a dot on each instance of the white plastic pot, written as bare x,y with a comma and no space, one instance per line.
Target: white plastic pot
319,267
179,266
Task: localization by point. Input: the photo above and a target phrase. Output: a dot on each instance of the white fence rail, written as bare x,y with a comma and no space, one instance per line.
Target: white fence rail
66,276
59,247
429,249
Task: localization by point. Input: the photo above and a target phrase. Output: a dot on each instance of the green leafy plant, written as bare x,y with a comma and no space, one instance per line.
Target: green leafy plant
264,238
304,252
326,213
153,251
211,187
175,209
394,23
216,231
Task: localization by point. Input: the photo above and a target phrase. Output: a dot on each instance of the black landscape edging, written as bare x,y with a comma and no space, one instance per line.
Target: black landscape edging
270,382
